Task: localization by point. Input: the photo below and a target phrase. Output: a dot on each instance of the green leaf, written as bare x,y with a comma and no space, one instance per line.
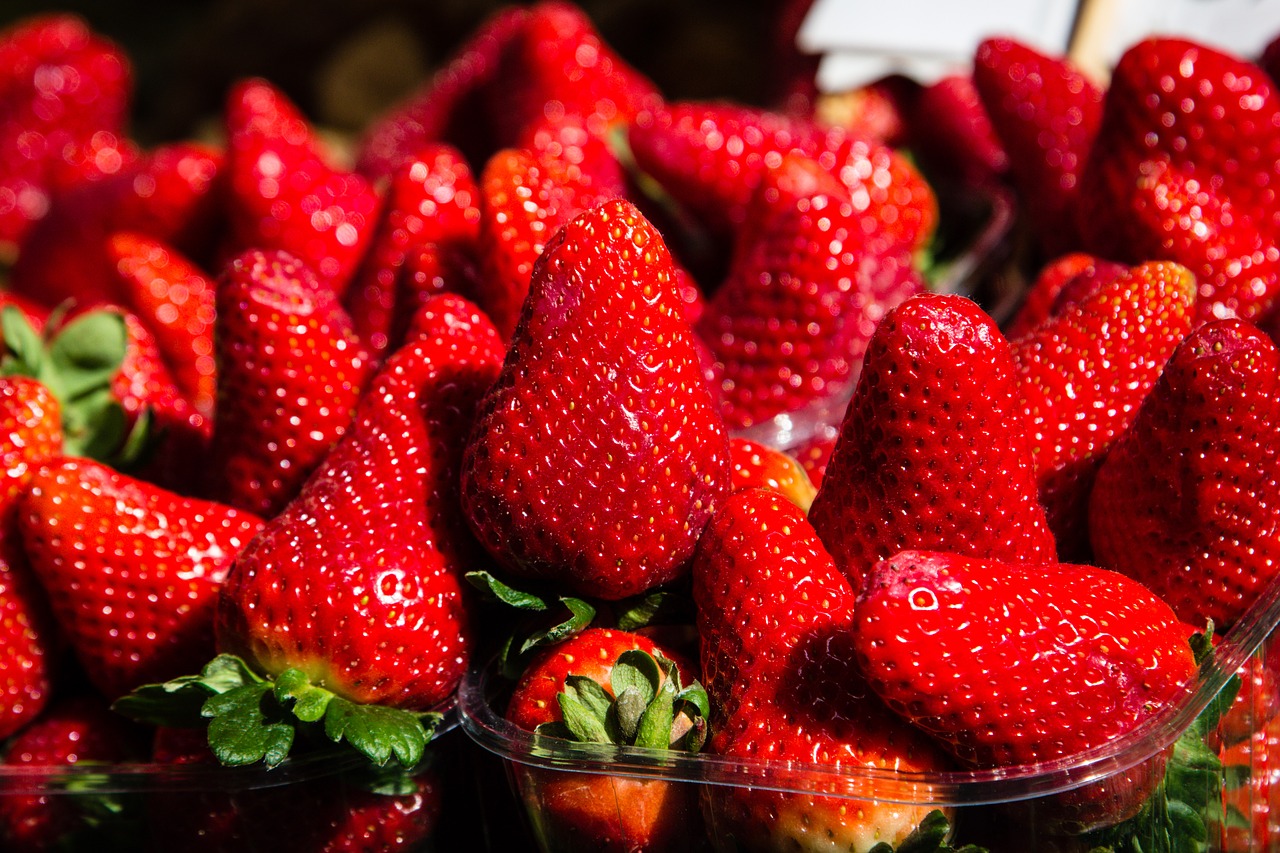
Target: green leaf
629,708
377,732
587,691
132,449
652,608
88,351
654,731
580,615
636,670
929,837
95,426
309,702
227,672
496,590
696,695
582,720
179,701
26,347
247,725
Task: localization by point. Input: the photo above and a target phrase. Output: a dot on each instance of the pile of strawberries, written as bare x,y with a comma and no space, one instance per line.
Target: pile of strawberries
279,430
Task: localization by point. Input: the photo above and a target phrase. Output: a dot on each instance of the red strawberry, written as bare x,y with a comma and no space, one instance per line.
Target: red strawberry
933,452
290,372
132,571
283,192
176,302
815,453
601,379
430,271
1010,664
451,108
1082,376
1188,500
1061,283
953,134
170,195
64,99
1253,807
358,582
757,466
775,617
600,811
1046,113
433,200
30,434
568,138
75,731
806,288
1216,118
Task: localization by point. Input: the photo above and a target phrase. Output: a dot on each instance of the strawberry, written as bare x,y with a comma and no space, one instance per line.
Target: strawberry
815,453
433,199
1046,113
285,195
75,731
1082,376
171,194
290,373
175,300
1252,808
775,618
358,582
567,138
807,286
1008,664
64,99
1188,500
952,133
30,434
602,379
758,466
427,272
932,452
132,571
609,686
1061,283
1215,117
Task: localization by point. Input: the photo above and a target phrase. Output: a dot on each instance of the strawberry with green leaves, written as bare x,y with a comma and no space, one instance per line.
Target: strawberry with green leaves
776,626
291,371
1188,499
602,379
609,686
933,451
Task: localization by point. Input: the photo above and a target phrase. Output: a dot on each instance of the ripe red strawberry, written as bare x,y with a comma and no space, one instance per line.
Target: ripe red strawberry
815,453
1253,807
758,466
433,199
284,194
805,291
557,696
171,194
290,372
30,434
64,100
1188,500
1010,664
358,582
1061,283
775,617
568,138
952,133
75,731
131,570
1215,117
175,300
933,452
450,108
427,272
1046,113
601,379
1082,376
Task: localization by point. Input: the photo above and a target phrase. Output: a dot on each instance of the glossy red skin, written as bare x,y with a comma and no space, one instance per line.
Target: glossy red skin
429,271
450,107
64,101
814,455
1213,115
433,199
171,194
175,300
602,379
291,372
953,134
568,138
806,288
80,729
30,434
1188,501
933,452
1083,375
284,194
1062,282
358,582
1010,664
775,618
1046,114
758,466
132,571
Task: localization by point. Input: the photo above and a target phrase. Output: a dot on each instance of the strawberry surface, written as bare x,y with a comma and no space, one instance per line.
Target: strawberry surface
757,465
1061,283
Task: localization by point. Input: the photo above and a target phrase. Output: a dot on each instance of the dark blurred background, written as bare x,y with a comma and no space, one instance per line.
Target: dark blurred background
345,62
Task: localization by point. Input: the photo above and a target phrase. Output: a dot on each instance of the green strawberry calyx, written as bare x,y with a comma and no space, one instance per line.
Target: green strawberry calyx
252,719
931,836
649,707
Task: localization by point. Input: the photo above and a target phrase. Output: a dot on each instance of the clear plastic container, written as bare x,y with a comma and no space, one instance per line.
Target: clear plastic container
1026,808
309,803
